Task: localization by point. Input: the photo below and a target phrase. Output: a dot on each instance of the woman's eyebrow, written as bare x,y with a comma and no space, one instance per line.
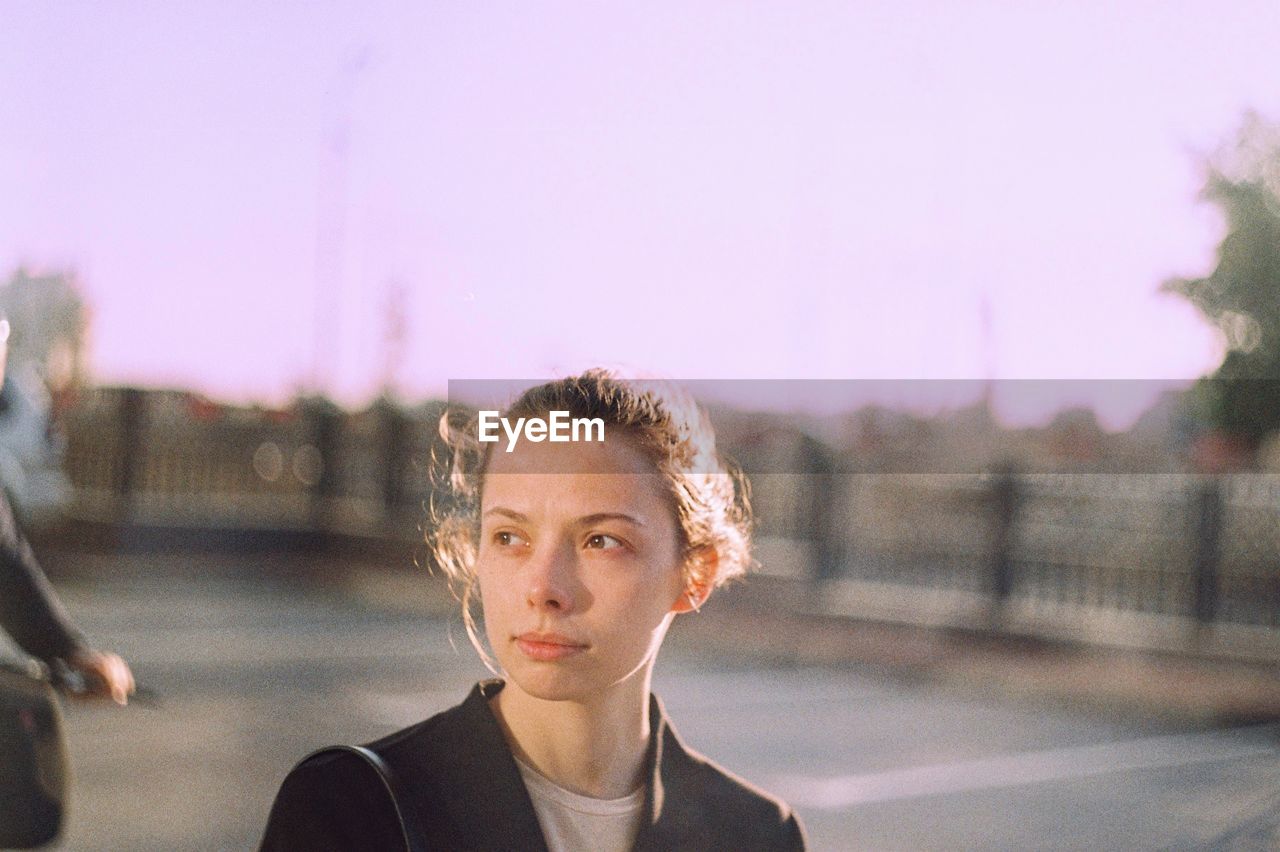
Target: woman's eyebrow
587,520
510,513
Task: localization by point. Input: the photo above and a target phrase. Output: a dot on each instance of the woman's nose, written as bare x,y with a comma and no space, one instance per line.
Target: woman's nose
551,580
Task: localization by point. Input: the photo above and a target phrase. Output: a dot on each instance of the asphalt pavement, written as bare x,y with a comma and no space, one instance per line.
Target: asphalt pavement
260,658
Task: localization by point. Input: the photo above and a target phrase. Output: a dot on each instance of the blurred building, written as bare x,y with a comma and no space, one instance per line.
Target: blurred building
48,321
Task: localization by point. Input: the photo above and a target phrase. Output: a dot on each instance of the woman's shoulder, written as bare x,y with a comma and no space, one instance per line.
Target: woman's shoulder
691,789
444,740
732,789
728,802
334,798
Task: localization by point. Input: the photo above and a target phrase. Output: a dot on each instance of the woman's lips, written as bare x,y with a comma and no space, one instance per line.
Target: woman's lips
547,647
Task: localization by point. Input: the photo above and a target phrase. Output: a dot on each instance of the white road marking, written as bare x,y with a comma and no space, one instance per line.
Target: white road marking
1028,768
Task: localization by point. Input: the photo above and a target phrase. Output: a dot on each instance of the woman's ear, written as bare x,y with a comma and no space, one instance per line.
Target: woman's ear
701,573
692,599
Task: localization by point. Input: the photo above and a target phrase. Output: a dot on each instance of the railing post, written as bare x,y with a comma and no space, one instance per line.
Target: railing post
324,420
1208,549
394,457
1006,498
132,415
821,509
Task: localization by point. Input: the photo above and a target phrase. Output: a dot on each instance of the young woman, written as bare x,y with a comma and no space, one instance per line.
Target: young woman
582,553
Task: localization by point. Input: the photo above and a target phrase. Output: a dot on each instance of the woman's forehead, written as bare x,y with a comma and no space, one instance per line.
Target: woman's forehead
575,495
574,480
617,454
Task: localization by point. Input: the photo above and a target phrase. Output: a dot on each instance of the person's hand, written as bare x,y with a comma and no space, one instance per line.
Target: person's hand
106,675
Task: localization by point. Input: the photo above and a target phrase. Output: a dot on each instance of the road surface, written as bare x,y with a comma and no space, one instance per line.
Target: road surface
263,658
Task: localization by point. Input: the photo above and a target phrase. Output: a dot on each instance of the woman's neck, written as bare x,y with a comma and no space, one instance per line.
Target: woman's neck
595,748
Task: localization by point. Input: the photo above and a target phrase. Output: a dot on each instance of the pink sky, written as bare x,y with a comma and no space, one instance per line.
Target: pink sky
714,190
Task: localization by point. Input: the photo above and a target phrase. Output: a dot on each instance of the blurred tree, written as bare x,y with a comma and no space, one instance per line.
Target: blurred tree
1241,296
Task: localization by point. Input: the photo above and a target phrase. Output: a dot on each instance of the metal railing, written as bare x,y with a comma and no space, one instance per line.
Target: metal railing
1203,549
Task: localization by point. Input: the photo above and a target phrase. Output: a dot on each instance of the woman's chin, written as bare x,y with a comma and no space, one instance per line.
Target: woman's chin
551,686
550,681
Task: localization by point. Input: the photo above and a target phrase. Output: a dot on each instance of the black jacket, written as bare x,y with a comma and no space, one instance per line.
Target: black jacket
29,608
468,794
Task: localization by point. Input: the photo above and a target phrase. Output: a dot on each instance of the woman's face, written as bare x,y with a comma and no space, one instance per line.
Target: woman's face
579,565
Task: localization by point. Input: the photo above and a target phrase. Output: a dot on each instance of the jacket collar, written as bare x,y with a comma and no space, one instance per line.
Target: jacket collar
480,784
671,816
502,816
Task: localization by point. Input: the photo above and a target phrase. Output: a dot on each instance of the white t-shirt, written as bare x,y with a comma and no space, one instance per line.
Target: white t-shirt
575,823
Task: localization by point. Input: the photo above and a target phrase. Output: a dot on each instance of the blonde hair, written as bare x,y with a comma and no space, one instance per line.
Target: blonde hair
710,496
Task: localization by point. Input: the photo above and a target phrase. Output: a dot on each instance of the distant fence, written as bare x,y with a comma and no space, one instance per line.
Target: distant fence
138,458
1202,549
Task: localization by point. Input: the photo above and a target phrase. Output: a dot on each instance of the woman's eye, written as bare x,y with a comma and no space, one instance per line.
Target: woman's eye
505,538
600,541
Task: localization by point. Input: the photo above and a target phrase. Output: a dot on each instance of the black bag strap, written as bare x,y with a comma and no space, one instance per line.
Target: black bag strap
414,839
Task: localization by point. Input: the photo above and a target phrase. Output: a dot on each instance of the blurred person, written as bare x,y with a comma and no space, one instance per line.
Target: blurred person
583,554
31,613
